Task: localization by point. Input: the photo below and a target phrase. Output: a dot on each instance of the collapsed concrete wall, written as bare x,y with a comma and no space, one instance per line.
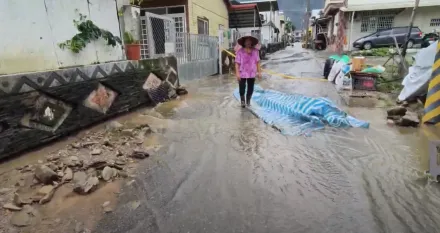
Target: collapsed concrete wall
36,108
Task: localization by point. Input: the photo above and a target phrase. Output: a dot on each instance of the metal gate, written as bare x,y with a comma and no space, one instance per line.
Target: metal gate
158,36
197,55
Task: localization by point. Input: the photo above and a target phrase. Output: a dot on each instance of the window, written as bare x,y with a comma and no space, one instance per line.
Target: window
256,34
203,26
384,33
159,11
176,10
374,23
435,22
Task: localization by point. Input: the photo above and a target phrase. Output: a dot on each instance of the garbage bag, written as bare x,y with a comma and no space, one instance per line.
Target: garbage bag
417,81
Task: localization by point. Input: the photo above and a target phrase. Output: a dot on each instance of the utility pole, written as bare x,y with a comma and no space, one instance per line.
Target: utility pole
411,22
307,22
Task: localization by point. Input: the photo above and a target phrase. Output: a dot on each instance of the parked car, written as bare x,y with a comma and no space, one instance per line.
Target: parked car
385,38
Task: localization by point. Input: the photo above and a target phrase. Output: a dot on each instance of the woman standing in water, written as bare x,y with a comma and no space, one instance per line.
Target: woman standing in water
247,67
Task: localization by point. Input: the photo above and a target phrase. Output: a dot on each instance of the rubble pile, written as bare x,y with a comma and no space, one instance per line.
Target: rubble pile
401,116
84,166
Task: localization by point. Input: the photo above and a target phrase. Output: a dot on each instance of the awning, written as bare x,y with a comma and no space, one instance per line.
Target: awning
244,16
383,5
263,5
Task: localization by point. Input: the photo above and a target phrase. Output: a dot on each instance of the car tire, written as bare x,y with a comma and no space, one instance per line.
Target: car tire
410,44
367,45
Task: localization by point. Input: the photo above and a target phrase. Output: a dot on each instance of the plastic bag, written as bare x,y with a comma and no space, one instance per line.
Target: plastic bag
335,71
375,69
343,82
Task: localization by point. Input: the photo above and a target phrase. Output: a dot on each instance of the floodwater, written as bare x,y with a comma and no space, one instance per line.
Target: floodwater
224,170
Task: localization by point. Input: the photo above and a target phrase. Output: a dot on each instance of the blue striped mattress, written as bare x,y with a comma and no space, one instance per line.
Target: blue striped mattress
296,114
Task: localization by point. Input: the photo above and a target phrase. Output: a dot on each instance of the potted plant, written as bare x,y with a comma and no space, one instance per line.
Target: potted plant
132,47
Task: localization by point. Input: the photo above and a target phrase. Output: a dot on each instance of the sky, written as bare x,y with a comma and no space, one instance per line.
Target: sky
295,9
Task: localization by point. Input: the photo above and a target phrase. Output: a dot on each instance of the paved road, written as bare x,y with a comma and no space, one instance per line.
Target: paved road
224,170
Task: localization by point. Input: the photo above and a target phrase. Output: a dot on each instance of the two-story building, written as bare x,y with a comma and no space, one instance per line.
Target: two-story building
192,16
352,19
269,17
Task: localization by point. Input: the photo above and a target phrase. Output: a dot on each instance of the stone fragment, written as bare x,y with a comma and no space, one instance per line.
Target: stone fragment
396,111
68,174
45,175
10,206
140,154
114,125
96,152
108,173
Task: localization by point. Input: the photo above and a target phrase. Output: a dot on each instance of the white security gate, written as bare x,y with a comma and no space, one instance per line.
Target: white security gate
158,36
197,55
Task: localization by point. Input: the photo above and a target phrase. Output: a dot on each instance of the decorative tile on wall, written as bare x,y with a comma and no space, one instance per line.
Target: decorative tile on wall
47,114
21,83
101,99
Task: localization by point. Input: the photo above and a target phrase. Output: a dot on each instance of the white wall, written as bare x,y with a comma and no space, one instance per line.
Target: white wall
422,20
274,17
35,27
386,4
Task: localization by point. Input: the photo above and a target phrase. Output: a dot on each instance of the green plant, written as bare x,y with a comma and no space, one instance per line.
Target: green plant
88,32
136,2
128,38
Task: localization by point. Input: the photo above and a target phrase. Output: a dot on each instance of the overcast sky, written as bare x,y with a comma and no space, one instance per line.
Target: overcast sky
295,9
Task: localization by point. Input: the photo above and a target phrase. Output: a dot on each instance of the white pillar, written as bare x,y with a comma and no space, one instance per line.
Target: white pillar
351,30
220,44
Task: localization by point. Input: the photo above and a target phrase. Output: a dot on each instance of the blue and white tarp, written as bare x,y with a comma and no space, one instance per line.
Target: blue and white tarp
298,114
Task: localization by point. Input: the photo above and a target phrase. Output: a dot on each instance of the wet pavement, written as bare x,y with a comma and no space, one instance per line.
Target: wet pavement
224,170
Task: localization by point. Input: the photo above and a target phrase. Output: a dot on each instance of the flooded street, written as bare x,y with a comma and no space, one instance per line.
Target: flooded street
221,169
224,170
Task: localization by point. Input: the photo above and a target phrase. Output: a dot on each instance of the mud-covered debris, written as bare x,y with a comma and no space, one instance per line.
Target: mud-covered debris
68,174
79,180
397,111
120,161
72,161
45,174
24,217
96,152
107,143
127,132
108,173
181,91
153,113
89,143
91,184
20,201
5,191
390,122
122,174
98,163
114,125
409,120
46,193
10,206
140,154
92,172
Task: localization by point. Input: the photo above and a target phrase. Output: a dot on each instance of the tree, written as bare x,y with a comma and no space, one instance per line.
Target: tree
289,27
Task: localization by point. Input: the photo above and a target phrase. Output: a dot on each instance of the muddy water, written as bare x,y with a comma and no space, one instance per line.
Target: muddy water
224,170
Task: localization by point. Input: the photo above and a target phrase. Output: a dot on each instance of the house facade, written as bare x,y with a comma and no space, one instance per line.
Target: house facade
192,16
352,19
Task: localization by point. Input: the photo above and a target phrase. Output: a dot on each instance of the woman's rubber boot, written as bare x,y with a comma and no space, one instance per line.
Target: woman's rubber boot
248,101
243,103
